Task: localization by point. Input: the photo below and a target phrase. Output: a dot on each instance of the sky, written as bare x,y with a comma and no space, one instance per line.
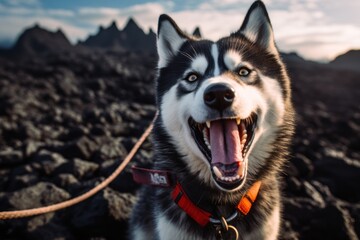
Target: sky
315,29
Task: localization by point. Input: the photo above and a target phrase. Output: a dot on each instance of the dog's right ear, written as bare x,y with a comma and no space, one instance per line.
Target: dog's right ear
169,39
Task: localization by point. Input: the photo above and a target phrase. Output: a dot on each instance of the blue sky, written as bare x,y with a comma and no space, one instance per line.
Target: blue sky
316,29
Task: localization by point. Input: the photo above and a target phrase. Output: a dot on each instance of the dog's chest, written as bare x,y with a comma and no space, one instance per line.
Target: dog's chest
168,230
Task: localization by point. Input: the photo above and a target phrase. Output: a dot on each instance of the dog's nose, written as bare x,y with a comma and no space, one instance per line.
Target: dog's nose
219,96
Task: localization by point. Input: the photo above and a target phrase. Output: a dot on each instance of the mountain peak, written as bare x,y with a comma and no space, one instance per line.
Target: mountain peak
348,60
132,26
36,25
36,40
113,25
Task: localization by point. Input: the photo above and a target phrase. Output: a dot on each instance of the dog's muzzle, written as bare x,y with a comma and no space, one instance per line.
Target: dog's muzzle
224,141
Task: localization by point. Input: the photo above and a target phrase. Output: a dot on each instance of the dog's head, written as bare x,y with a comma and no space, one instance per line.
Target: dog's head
223,103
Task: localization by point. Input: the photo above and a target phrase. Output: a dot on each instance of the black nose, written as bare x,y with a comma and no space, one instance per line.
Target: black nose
219,96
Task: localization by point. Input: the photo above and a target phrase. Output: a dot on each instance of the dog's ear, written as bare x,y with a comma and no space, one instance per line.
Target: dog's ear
257,27
169,39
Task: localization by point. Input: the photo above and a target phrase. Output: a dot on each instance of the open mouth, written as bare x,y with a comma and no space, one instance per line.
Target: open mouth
225,143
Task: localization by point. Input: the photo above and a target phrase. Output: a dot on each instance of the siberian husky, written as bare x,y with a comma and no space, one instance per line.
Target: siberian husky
224,126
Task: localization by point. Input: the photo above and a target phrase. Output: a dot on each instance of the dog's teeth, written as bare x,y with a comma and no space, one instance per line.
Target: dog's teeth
238,121
207,144
227,179
244,137
217,172
237,176
208,124
206,140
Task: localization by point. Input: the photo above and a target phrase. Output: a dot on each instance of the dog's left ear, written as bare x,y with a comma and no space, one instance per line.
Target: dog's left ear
257,27
170,38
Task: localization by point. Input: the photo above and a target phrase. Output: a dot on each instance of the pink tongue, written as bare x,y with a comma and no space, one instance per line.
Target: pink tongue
225,142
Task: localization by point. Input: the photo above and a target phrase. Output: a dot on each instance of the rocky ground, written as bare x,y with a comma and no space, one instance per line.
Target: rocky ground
67,121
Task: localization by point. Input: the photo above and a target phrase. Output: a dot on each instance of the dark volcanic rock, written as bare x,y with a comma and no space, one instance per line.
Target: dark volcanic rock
104,215
37,195
79,168
66,180
339,172
81,148
10,157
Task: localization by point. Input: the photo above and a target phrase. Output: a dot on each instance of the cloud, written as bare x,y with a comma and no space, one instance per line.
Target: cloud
314,29
322,43
145,14
22,2
72,32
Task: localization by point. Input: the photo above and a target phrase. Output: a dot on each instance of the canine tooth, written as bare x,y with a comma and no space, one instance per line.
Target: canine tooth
238,121
237,176
217,172
208,124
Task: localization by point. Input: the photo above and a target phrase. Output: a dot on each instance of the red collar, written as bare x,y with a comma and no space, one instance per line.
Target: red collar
161,178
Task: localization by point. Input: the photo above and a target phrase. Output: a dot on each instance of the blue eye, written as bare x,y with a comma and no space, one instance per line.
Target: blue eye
192,77
244,72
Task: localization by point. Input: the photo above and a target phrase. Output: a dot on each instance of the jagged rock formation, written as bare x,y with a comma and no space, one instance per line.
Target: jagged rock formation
131,38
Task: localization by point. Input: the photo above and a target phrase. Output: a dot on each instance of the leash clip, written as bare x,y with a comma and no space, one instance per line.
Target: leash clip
225,227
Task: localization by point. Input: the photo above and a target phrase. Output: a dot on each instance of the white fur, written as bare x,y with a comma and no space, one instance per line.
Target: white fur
273,106
215,55
168,34
139,234
169,231
269,231
272,225
176,123
199,64
232,59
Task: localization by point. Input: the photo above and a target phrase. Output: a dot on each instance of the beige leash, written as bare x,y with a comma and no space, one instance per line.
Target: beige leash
55,207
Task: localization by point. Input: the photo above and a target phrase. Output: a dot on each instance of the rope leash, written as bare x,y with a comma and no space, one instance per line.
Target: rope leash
55,207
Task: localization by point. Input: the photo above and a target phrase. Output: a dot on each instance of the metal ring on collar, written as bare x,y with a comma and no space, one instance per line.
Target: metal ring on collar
218,221
224,224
